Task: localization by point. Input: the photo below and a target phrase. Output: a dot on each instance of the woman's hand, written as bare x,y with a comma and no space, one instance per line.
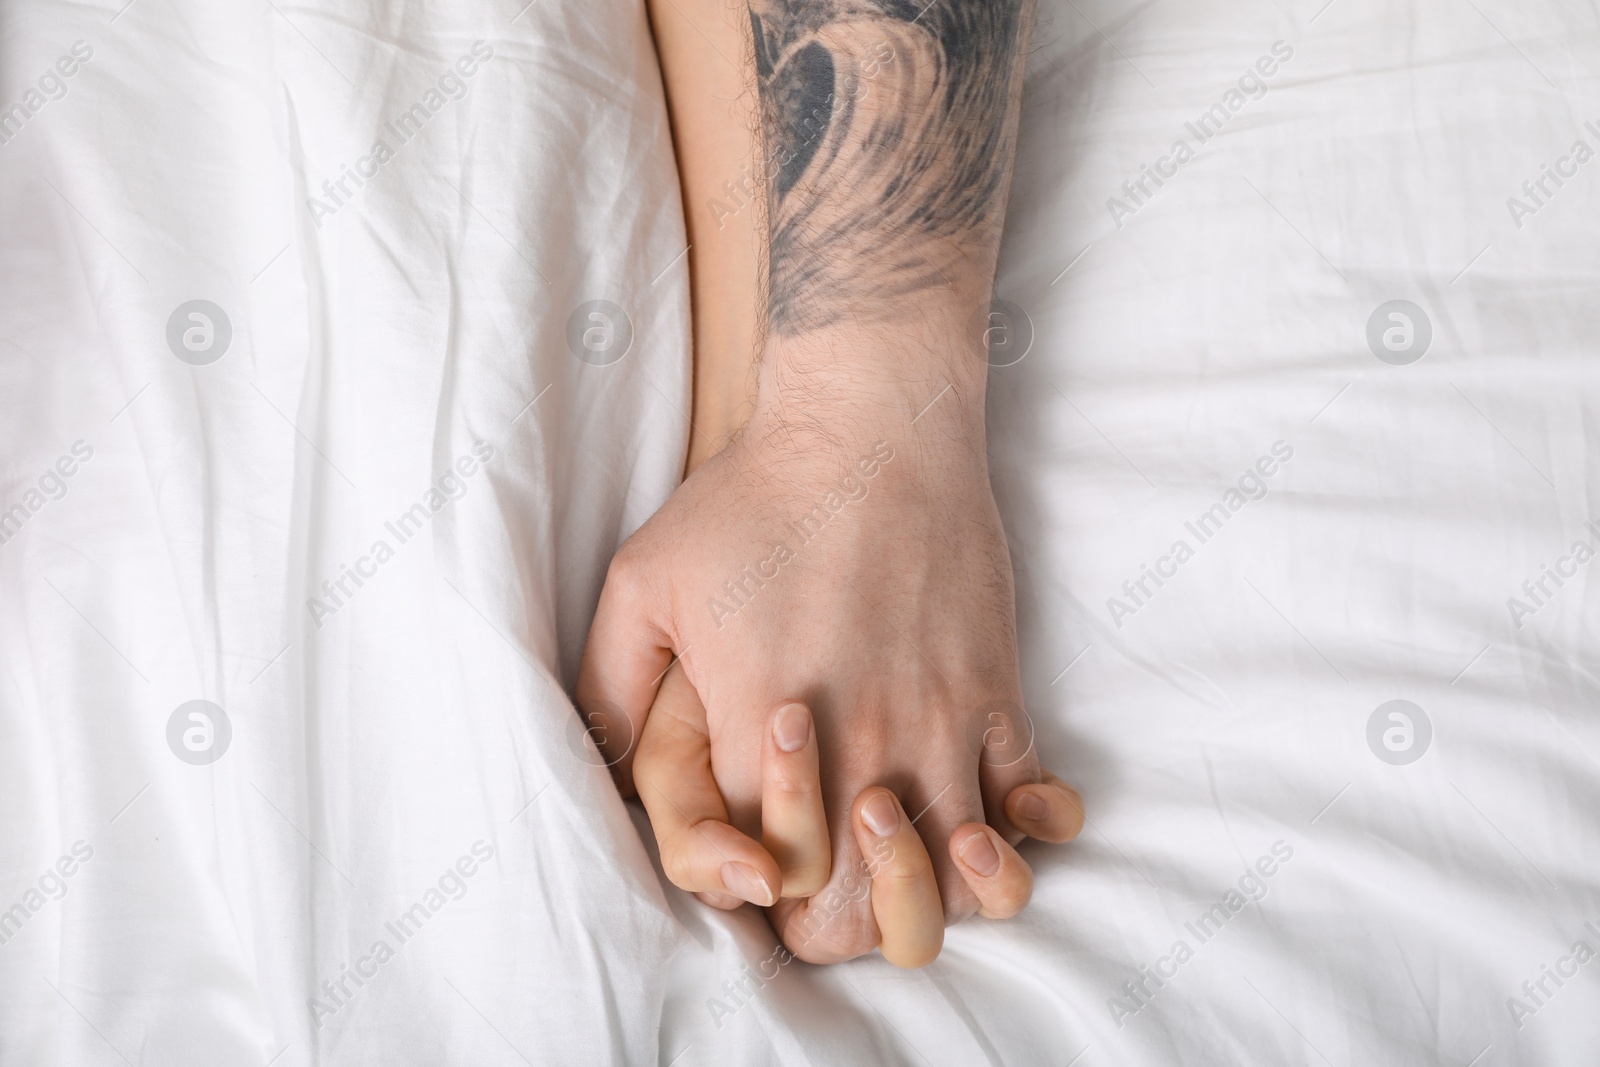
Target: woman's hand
702,853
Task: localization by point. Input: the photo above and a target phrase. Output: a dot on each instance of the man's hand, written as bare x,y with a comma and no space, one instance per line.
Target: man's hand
844,551
857,565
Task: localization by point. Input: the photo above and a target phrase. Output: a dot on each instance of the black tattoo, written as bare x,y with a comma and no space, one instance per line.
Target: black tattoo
889,129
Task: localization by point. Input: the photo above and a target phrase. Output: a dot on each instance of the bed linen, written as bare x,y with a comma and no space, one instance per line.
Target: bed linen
342,344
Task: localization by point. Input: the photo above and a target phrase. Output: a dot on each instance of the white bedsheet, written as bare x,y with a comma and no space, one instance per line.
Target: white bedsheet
402,766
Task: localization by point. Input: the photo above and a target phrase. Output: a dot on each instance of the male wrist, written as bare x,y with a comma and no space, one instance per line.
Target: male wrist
868,380
867,362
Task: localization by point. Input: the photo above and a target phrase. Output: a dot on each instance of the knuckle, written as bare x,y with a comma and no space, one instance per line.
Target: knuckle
625,576
677,868
835,924
1007,907
649,765
1021,898
792,781
908,867
678,858
841,935
626,559
1005,900
670,846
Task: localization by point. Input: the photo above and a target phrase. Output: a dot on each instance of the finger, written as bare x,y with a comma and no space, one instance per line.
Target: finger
1049,810
1007,759
794,824
623,661
1000,879
937,813
905,897
836,924
700,852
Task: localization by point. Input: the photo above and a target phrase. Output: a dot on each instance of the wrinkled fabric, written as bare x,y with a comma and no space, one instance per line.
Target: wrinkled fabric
343,345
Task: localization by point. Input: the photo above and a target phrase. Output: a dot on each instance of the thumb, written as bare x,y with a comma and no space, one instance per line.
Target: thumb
624,660
700,849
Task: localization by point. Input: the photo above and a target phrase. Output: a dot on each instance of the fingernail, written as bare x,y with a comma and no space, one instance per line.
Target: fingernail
746,883
979,854
880,815
1032,808
792,727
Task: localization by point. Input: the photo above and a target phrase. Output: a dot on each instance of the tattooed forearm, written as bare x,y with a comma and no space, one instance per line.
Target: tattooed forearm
888,129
